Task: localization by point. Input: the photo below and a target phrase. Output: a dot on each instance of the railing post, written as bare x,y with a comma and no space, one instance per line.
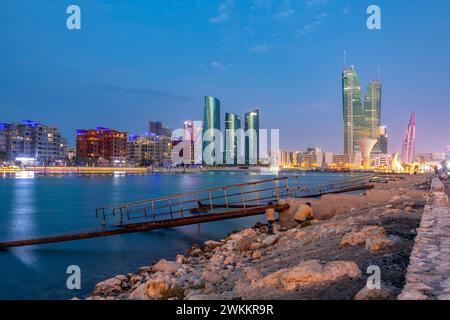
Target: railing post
145,210
170,205
153,210
243,198
226,198
181,207
210,201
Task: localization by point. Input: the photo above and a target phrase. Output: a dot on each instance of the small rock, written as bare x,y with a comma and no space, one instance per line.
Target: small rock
377,244
256,255
212,277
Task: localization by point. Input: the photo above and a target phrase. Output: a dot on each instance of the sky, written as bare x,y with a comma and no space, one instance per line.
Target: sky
138,59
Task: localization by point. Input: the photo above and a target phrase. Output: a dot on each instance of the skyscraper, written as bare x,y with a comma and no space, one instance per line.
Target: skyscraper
232,138
409,143
352,108
360,123
252,137
372,111
211,131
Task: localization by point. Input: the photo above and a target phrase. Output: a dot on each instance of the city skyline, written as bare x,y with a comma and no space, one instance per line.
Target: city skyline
287,69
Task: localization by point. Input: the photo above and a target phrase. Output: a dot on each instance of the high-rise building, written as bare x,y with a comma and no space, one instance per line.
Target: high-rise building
409,143
158,128
192,142
360,122
352,108
102,144
211,132
252,137
233,139
31,139
372,111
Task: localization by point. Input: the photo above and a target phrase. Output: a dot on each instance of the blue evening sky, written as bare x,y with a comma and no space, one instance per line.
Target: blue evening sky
137,59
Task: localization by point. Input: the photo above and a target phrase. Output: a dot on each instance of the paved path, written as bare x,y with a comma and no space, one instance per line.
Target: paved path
428,276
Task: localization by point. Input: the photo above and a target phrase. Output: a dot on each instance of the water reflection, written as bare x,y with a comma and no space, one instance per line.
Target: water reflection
23,224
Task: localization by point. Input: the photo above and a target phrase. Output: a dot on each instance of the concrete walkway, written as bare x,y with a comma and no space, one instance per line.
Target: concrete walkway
428,276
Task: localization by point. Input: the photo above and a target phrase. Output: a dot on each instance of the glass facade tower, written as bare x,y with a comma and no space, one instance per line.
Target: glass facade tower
352,109
360,121
211,131
252,137
232,138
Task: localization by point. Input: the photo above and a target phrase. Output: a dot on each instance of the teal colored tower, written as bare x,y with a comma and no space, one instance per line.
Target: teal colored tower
354,118
211,121
252,137
232,138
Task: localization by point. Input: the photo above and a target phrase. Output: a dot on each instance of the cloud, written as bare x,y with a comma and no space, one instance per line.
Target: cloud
218,66
224,11
308,28
312,26
321,15
315,3
285,14
260,48
219,19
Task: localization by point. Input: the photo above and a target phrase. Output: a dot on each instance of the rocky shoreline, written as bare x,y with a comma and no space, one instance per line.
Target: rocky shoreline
328,260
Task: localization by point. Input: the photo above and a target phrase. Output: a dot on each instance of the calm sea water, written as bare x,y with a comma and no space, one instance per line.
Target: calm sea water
52,205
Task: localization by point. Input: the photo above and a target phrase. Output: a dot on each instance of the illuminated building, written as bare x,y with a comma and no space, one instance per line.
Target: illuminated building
32,140
447,153
360,121
150,149
409,143
102,143
211,132
252,137
352,107
232,139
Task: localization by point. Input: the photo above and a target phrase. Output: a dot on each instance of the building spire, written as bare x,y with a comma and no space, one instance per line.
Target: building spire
378,73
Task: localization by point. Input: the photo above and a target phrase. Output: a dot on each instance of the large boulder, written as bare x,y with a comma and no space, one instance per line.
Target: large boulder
270,240
156,287
359,237
110,287
140,293
308,273
166,266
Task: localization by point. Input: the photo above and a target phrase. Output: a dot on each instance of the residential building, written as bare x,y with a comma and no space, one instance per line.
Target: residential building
102,144
32,140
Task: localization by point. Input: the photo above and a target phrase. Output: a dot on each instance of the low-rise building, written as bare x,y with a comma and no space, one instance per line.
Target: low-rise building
102,144
150,149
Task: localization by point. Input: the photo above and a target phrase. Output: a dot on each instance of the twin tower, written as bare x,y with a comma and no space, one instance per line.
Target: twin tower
362,118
